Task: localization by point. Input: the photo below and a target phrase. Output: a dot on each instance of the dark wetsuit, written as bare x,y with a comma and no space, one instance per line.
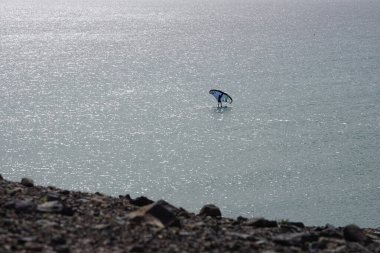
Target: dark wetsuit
220,99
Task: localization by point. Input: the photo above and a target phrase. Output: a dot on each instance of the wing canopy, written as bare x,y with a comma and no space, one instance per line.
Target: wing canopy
225,97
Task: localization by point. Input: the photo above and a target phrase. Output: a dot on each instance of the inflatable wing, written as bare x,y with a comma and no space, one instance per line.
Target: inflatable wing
225,97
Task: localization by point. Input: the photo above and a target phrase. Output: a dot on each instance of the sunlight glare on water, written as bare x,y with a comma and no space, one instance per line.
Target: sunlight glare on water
112,96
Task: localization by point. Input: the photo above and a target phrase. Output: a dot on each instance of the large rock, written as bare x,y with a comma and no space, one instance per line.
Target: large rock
28,182
353,233
161,211
210,210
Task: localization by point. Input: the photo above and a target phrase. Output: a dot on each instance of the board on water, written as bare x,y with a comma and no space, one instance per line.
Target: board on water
224,96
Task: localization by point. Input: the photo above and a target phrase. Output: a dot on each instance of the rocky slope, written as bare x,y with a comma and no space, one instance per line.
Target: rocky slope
48,219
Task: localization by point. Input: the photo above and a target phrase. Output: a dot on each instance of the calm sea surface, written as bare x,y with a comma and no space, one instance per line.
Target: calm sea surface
112,96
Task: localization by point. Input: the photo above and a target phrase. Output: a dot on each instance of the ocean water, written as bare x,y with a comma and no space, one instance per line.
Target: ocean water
112,96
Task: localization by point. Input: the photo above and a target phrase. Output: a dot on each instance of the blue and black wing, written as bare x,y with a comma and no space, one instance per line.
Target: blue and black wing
225,97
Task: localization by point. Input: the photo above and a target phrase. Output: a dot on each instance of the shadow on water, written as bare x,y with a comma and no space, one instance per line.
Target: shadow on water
224,109
219,113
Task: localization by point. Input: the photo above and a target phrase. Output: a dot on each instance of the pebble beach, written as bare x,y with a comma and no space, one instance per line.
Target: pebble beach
47,219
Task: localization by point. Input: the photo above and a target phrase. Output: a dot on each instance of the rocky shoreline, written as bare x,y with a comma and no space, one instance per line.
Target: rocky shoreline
48,219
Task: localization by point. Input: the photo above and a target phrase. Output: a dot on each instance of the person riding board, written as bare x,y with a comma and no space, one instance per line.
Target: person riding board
220,100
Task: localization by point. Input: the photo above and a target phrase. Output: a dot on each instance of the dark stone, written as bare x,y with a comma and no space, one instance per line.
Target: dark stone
55,207
64,192
50,207
183,213
210,210
28,182
58,240
15,191
241,219
62,249
164,212
159,213
331,231
296,224
136,248
67,211
353,233
285,228
8,221
33,246
261,223
9,205
52,196
1,177
26,239
141,201
325,243
295,238
26,206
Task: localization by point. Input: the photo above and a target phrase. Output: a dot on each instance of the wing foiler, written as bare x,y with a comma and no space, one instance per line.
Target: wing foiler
221,96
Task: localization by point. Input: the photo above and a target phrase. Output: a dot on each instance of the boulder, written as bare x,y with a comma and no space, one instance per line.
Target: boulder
353,233
162,211
28,182
261,223
210,210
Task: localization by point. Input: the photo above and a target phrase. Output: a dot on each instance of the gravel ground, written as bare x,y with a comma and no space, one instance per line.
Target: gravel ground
48,219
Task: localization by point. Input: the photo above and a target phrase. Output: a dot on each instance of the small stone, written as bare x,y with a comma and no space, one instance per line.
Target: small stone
15,191
55,207
50,207
210,210
32,246
137,248
325,243
46,223
26,206
53,196
67,211
295,238
331,231
58,240
296,224
241,219
10,204
64,192
353,233
141,201
28,182
26,239
101,226
62,249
